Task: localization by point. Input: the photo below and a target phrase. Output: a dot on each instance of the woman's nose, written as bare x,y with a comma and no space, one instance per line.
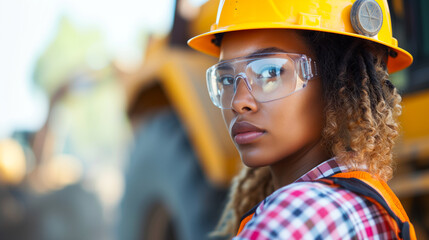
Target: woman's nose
243,100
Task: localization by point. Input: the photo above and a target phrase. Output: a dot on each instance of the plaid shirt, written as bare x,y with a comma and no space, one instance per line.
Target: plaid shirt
312,210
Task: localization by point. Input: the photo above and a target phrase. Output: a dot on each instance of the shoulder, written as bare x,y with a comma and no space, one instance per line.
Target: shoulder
304,191
312,210
307,200
300,190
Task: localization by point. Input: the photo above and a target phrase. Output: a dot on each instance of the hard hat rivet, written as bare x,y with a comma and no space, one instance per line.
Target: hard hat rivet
366,17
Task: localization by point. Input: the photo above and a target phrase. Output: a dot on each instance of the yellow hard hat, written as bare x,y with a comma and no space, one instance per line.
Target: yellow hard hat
366,19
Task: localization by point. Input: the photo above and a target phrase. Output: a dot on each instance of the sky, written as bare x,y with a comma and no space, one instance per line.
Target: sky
28,26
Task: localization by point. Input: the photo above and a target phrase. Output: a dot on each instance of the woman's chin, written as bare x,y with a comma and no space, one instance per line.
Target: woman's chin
254,161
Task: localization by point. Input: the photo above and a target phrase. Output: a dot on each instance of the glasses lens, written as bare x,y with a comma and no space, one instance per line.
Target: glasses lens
271,76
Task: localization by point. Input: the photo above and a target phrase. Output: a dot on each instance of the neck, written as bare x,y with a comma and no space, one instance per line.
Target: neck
290,168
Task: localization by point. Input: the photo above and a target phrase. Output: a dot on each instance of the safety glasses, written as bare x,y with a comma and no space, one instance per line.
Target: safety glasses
267,76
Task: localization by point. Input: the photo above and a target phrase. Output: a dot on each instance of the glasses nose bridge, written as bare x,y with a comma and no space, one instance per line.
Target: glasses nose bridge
243,77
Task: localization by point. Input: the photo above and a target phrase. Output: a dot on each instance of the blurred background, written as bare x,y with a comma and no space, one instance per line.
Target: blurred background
107,130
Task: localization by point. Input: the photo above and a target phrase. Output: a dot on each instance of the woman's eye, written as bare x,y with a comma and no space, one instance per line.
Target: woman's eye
271,72
226,80
270,78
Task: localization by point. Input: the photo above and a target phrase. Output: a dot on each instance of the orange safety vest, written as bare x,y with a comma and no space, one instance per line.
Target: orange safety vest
376,191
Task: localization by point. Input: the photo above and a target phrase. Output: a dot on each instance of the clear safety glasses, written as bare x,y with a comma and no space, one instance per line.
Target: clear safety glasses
267,76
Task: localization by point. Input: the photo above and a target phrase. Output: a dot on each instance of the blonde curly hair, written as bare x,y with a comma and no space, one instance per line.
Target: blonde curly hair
361,110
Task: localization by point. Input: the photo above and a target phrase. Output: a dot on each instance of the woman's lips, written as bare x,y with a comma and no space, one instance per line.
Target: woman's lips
246,138
245,133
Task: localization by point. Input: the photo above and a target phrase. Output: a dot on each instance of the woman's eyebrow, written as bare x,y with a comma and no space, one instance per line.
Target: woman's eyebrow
265,50
260,51
224,66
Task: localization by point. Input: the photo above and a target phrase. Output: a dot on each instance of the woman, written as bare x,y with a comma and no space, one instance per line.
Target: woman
304,91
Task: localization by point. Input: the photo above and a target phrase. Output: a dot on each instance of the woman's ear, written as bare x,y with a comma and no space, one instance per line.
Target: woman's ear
217,40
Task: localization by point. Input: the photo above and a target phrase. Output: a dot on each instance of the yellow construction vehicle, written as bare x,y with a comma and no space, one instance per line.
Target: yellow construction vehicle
183,159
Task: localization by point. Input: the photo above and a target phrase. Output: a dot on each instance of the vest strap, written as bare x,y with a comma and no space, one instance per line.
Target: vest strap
359,187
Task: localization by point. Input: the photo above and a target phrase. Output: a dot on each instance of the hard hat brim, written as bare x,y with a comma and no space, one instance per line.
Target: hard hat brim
203,42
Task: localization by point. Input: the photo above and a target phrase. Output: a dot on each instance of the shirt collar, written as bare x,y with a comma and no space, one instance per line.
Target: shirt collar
325,169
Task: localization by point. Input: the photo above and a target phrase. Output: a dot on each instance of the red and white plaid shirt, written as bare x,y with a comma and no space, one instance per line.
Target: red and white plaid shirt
313,210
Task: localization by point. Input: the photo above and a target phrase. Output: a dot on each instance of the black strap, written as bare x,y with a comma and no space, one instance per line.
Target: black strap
250,212
357,186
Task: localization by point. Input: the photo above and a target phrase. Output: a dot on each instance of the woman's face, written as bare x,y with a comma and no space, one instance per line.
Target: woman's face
266,133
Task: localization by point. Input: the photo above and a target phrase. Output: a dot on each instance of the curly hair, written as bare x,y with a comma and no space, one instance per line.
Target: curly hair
361,110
